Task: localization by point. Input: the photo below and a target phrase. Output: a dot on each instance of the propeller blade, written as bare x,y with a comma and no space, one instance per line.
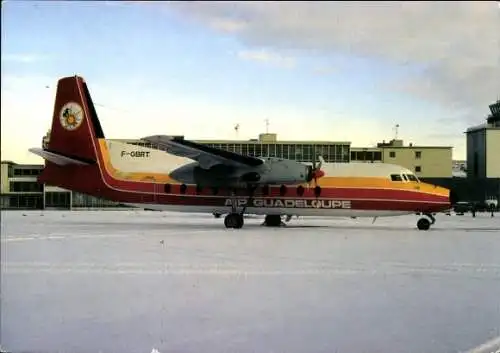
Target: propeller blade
321,161
316,171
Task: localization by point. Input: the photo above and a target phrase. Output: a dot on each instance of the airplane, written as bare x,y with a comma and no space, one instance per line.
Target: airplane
185,176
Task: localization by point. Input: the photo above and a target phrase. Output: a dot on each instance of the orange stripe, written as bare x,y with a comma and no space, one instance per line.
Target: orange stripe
324,182
131,176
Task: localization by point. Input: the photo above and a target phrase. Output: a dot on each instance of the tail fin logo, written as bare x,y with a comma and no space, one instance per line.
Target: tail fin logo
71,116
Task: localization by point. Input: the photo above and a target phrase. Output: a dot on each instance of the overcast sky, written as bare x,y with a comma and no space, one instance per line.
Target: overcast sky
328,71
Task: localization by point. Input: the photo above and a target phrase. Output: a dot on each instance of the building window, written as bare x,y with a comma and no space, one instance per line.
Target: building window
26,171
392,154
418,169
25,186
418,154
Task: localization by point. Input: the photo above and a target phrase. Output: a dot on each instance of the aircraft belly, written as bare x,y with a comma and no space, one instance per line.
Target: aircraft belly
274,211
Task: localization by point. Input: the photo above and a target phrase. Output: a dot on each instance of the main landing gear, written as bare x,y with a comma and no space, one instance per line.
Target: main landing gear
425,223
235,218
273,220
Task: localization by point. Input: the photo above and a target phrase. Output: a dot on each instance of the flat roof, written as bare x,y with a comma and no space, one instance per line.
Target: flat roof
253,141
399,147
367,149
28,166
277,142
481,128
416,147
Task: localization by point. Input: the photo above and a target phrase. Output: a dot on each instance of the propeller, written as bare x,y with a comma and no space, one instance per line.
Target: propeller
315,172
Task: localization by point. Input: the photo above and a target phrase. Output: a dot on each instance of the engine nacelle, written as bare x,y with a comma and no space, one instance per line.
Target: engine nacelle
250,177
192,173
273,171
284,172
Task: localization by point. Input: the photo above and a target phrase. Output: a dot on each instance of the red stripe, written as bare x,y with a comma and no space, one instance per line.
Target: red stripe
274,191
71,178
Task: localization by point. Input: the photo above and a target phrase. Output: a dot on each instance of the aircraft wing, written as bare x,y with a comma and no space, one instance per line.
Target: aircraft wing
206,156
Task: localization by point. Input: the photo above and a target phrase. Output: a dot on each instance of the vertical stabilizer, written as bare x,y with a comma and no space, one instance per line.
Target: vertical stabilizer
75,126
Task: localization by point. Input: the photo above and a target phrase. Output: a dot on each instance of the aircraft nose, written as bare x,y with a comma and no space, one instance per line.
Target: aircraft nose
453,197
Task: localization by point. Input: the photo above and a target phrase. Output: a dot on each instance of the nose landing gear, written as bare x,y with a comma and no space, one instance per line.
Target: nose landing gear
425,223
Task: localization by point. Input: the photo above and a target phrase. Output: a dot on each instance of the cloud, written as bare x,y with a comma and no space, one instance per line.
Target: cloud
323,70
268,57
453,46
23,58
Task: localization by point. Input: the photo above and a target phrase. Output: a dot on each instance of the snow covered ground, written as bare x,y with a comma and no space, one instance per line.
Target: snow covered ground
138,281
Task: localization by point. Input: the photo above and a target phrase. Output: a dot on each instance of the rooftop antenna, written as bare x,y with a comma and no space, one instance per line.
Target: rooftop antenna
237,129
267,126
396,129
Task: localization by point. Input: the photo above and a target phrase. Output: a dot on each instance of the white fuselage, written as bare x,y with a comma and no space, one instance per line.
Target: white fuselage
129,159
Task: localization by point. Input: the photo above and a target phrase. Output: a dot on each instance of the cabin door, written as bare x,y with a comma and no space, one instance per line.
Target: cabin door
157,189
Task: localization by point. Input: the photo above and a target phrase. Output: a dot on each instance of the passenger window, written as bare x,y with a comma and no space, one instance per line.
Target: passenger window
283,190
199,189
405,177
183,188
265,190
396,177
167,188
300,190
317,191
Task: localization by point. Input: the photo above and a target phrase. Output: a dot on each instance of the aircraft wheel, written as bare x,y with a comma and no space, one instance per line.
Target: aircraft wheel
233,220
272,221
423,224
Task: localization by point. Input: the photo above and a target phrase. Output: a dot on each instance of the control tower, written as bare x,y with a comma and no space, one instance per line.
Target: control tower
494,118
483,146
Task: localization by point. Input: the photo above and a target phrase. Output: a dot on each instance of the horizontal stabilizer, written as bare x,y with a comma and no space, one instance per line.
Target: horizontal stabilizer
58,158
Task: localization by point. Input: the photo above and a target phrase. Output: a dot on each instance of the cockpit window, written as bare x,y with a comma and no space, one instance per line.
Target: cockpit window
412,177
396,177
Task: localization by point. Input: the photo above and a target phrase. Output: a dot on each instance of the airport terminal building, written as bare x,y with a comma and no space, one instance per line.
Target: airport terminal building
20,190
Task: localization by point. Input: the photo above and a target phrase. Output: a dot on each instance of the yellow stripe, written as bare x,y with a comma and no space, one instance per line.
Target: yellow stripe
131,176
324,182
